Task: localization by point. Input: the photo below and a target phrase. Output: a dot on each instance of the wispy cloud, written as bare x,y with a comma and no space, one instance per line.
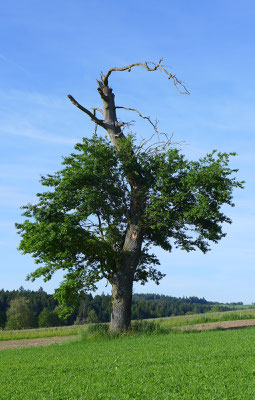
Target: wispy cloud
34,98
14,196
2,57
21,172
13,63
4,243
36,134
35,115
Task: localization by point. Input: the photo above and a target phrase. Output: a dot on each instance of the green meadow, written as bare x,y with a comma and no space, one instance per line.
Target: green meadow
177,365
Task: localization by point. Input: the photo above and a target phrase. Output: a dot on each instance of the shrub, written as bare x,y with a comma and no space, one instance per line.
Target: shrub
146,328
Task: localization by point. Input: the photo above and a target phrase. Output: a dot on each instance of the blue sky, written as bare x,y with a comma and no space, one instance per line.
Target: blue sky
49,49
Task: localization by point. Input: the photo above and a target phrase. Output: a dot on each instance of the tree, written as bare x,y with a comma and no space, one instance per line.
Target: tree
48,318
20,315
92,317
112,201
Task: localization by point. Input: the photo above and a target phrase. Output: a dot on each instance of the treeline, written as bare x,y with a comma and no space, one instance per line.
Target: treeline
20,309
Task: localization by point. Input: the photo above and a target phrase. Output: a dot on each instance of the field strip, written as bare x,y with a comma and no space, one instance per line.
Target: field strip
218,325
46,341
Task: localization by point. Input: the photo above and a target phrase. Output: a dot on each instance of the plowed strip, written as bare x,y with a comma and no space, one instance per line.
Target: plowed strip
219,325
14,344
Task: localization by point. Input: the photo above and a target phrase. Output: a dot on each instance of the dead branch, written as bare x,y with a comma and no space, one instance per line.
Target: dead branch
125,125
176,81
154,125
89,113
142,116
155,148
97,109
100,227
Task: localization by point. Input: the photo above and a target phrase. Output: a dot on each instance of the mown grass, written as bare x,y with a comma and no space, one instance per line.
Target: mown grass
183,320
42,332
239,306
212,365
167,323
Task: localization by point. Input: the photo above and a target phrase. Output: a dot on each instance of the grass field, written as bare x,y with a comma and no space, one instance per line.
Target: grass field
213,365
41,332
240,307
168,323
206,317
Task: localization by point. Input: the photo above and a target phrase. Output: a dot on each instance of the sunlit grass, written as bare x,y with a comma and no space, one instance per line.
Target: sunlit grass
183,320
211,365
42,332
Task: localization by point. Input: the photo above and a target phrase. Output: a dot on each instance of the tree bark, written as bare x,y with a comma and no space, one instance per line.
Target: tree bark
122,280
122,288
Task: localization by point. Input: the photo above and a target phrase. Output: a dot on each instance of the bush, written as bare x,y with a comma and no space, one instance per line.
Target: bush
137,328
95,331
146,328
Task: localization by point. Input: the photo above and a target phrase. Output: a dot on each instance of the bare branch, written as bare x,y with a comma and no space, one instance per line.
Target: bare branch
176,81
97,109
94,113
142,116
154,147
100,227
89,113
125,125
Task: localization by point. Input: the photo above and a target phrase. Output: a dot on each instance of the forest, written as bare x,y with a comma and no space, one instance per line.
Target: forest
22,309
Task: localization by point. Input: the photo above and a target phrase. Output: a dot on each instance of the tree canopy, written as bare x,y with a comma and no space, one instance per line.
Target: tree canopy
79,224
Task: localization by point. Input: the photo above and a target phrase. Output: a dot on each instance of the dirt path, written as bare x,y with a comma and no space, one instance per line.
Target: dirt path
15,344
221,325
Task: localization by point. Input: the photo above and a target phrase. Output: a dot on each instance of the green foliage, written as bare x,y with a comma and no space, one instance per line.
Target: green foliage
20,315
48,318
92,317
95,331
146,328
209,365
79,224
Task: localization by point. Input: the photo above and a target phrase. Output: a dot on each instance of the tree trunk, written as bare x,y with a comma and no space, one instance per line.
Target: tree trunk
122,287
122,279
128,258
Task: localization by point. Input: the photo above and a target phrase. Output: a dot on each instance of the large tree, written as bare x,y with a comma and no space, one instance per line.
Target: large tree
115,199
